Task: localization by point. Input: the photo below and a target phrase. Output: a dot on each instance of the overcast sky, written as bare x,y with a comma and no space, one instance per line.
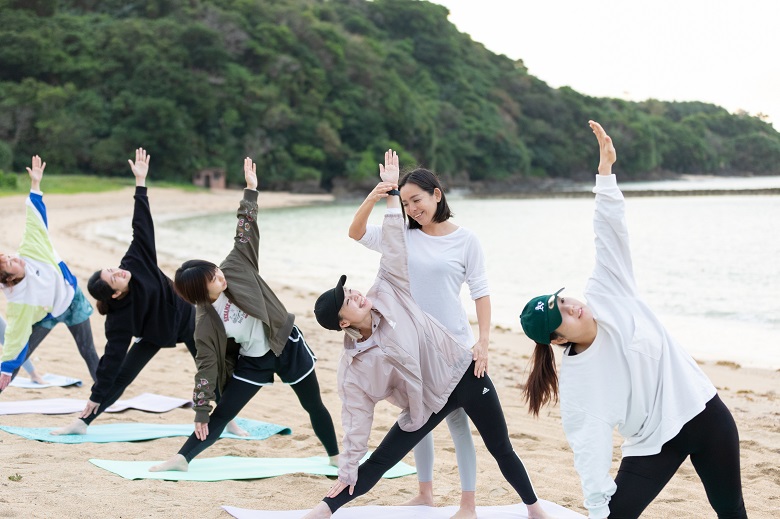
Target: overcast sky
721,52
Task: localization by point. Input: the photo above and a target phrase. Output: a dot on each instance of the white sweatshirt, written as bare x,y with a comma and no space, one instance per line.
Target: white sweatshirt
634,376
438,267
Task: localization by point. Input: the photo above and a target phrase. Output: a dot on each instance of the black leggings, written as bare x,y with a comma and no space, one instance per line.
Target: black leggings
712,442
238,393
478,397
138,356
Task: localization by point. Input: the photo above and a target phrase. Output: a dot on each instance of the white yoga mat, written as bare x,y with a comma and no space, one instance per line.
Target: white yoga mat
50,380
518,511
145,402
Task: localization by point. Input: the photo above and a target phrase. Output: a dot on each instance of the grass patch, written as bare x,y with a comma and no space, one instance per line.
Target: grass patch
15,477
71,184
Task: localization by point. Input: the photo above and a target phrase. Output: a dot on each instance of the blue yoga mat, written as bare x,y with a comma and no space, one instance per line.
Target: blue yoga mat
233,467
132,432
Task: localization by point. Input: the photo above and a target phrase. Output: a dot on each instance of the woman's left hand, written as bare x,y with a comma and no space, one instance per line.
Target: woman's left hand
337,487
201,430
4,381
480,356
250,173
389,171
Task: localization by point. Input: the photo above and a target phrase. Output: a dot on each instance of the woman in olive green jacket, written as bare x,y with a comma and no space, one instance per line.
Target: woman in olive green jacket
243,335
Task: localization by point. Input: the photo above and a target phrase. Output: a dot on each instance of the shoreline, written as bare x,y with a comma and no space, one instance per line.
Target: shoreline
57,480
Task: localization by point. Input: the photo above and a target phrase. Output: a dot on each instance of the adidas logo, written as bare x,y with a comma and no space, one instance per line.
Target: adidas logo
485,390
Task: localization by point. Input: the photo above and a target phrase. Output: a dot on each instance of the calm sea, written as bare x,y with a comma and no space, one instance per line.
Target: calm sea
708,265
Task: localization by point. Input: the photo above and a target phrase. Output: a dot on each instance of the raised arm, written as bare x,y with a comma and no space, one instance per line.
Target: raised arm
357,229
246,246
613,273
393,266
143,242
36,243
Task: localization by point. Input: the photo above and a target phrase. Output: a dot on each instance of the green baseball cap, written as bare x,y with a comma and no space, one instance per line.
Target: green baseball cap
541,317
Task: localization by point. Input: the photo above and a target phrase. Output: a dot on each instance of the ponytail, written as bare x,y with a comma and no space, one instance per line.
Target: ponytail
100,290
542,385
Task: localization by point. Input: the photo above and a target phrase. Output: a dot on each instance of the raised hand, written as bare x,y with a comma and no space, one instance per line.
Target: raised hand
140,167
389,170
607,153
36,173
250,173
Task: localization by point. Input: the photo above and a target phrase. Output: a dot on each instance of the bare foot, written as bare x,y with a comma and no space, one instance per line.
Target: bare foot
233,428
535,511
321,511
333,461
468,505
419,500
77,426
178,463
465,513
37,378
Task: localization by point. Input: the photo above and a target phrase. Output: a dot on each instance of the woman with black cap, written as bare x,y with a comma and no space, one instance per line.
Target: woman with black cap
396,352
622,368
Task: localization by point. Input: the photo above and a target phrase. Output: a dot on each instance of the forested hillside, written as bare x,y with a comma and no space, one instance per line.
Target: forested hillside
315,90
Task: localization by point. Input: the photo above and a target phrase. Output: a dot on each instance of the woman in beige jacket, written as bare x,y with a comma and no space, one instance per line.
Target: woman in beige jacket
396,352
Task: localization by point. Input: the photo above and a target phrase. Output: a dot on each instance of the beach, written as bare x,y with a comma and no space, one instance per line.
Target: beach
56,480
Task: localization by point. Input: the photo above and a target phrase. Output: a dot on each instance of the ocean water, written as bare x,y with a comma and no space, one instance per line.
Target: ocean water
708,265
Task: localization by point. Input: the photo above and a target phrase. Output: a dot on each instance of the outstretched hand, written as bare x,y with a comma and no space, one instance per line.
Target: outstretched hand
90,408
36,172
607,153
140,167
389,171
250,173
337,487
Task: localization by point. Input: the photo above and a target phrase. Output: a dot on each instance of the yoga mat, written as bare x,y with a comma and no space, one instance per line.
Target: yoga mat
132,432
408,512
232,467
145,402
50,380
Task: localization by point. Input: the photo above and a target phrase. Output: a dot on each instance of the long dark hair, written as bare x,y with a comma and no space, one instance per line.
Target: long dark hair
101,291
541,387
428,182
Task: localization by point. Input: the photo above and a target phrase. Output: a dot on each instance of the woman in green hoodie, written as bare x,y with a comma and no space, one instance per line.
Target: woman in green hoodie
243,335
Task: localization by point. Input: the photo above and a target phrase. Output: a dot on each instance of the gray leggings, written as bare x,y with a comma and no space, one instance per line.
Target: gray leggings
458,423
82,334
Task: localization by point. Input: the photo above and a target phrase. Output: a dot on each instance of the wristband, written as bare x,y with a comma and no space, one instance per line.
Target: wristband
394,192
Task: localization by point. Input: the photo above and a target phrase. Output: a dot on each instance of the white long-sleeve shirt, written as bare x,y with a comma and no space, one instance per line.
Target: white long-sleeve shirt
634,376
438,267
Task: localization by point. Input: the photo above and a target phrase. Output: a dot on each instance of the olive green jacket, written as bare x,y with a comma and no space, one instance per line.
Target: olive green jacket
217,354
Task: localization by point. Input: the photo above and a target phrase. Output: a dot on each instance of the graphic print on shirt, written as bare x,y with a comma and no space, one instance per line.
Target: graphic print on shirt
233,314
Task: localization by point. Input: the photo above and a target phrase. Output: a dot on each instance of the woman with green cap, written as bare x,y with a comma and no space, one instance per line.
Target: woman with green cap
621,368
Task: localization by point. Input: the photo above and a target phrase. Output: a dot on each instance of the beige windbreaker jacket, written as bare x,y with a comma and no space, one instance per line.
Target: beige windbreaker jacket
410,360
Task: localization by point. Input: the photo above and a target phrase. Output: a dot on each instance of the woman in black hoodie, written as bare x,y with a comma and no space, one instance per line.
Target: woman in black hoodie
141,308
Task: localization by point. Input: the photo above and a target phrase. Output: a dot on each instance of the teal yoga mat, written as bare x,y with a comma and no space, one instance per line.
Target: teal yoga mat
232,467
131,432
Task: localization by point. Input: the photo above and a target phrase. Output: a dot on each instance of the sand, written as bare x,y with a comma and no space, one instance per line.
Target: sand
56,480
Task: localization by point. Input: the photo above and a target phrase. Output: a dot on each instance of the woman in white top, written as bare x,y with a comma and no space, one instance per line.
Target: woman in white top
622,368
442,257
